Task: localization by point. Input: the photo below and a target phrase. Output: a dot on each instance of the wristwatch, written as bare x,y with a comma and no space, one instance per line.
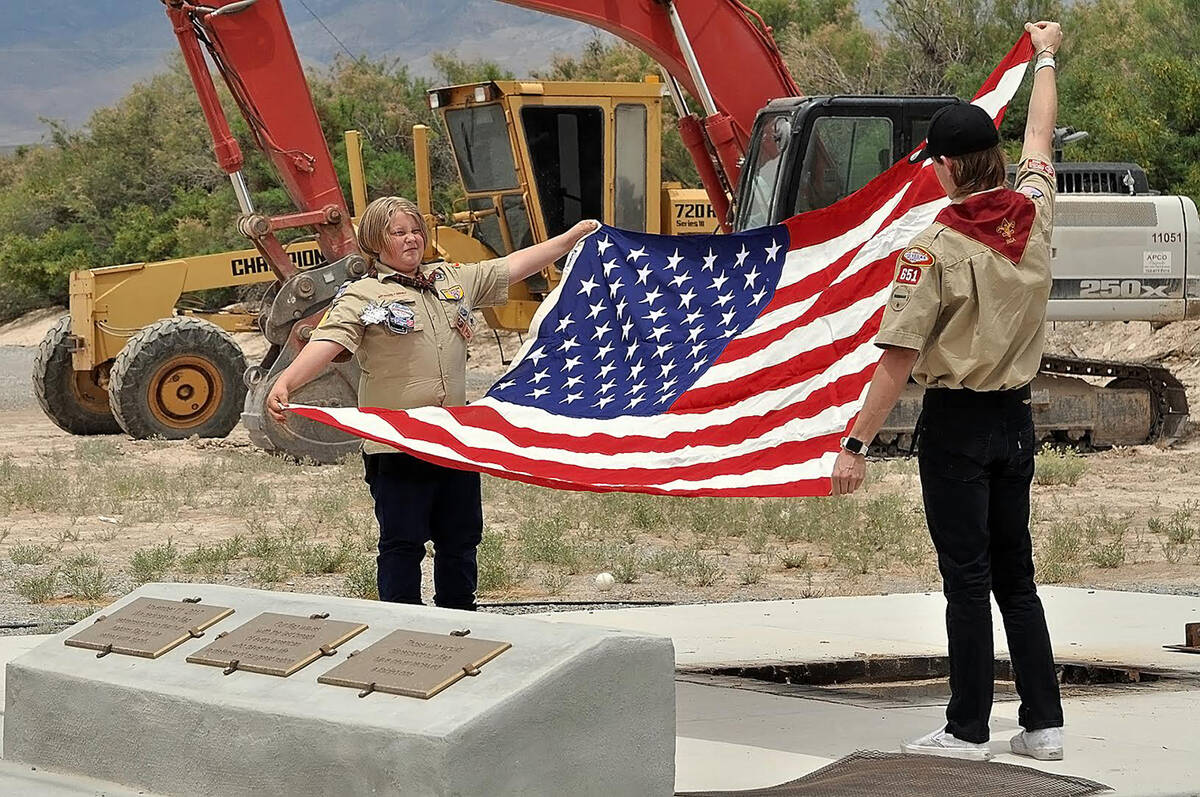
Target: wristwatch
854,446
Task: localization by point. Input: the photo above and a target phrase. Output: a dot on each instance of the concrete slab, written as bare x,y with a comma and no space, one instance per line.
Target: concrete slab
22,780
567,710
1140,744
1095,625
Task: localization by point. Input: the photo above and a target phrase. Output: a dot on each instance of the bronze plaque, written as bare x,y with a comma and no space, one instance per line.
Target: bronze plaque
276,644
148,627
413,664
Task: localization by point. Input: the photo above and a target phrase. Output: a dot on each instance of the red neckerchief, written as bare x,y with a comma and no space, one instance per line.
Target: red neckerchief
418,281
1001,220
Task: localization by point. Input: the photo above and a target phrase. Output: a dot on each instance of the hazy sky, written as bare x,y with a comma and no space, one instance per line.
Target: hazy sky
65,59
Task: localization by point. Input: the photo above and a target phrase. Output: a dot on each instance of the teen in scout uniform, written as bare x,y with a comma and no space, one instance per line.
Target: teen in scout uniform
409,325
965,318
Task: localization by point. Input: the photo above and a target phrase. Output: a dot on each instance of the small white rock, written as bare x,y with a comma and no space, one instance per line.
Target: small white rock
605,581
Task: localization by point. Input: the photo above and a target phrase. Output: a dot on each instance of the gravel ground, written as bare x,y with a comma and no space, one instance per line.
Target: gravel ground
16,377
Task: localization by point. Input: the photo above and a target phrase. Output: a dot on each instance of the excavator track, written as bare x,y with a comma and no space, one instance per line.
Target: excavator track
1140,403
1168,398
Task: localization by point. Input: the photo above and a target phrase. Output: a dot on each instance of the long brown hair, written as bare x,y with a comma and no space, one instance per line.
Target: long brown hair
978,171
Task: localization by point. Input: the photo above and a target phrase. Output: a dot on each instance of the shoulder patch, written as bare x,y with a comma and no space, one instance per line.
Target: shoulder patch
1031,192
909,275
899,298
1038,165
916,256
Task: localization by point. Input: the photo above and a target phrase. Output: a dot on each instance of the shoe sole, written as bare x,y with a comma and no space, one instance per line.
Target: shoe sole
1040,755
947,752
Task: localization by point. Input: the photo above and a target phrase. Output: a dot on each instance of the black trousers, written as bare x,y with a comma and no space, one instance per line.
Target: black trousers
417,501
976,462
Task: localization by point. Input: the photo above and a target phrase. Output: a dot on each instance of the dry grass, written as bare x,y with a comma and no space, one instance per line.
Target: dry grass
189,511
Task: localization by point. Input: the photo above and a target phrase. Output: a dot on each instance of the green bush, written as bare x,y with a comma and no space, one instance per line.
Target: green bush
1058,466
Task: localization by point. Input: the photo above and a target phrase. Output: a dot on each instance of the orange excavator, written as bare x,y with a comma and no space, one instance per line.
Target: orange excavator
763,152
249,44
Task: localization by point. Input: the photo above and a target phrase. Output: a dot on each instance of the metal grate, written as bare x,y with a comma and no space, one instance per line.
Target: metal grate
868,773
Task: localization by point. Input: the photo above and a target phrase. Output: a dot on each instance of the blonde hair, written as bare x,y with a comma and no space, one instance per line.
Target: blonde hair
978,171
373,227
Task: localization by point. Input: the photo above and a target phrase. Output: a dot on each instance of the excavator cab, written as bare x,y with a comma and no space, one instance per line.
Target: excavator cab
807,153
537,157
1118,254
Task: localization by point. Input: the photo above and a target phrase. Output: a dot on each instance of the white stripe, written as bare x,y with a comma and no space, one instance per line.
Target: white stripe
1006,87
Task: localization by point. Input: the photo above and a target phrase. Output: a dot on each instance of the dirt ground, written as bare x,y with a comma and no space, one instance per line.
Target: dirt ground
87,519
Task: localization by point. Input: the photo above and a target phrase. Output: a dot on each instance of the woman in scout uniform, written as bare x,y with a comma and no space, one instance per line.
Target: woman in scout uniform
965,319
409,324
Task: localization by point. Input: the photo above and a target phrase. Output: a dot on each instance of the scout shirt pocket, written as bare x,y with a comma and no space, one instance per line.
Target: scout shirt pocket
392,329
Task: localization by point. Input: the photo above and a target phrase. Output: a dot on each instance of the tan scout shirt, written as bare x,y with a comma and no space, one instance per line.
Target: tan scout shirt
970,292
406,340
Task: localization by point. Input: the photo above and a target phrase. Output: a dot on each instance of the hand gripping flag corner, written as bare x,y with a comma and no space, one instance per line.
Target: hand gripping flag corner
725,365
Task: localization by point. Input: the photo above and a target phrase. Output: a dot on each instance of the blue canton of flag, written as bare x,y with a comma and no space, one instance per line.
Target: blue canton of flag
639,318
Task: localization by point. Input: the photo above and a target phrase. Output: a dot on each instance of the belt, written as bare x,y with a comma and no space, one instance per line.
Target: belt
962,397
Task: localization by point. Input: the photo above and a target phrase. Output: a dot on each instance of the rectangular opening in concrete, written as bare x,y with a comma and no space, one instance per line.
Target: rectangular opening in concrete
917,680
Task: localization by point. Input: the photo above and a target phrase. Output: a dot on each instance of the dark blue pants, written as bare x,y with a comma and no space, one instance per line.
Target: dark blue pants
417,501
976,461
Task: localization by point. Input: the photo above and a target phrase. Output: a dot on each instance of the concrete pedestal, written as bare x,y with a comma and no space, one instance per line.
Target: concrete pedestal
567,710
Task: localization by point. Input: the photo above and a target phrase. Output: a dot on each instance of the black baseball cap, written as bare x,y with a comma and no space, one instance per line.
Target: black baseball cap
958,129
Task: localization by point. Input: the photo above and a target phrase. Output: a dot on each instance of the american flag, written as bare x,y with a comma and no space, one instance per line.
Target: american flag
723,365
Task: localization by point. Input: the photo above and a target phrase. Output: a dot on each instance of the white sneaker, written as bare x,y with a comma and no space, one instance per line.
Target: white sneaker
1044,745
947,745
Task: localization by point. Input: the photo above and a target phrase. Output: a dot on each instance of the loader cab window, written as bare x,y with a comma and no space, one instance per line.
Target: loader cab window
844,154
566,150
762,173
479,136
629,204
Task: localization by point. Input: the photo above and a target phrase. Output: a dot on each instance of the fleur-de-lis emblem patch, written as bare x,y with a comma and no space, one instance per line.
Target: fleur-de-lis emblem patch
1008,230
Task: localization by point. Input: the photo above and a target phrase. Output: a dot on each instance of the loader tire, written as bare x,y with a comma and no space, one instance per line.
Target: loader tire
74,400
176,378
